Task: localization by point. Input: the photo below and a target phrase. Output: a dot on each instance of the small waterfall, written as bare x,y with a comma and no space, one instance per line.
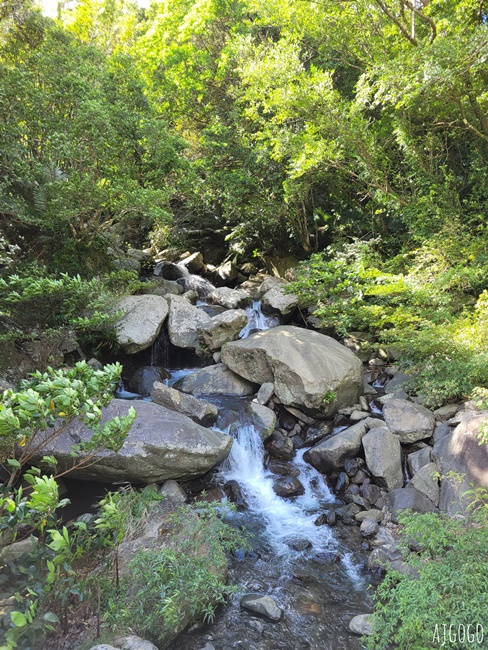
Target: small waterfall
283,519
257,321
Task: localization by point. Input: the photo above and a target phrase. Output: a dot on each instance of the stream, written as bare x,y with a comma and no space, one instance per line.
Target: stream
316,574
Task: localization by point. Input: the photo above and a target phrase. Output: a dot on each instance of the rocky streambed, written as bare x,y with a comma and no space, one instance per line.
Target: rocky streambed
318,450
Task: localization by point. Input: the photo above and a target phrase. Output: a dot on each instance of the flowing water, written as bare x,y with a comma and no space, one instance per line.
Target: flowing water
318,600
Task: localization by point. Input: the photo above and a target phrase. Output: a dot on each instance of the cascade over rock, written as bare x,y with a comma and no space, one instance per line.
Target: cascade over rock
161,444
308,369
141,322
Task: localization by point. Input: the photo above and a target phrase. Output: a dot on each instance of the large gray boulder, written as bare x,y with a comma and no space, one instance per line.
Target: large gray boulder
308,369
141,321
161,444
184,321
460,452
409,499
218,380
407,420
202,412
330,455
383,456
229,298
222,329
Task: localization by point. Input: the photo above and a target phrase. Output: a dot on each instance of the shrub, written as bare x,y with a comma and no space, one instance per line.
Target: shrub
449,587
425,308
180,582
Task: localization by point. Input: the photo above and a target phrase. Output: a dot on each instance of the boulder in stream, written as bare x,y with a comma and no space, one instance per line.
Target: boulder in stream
229,298
222,329
218,380
330,455
141,321
384,457
162,444
264,605
199,410
184,320
407,420
308,369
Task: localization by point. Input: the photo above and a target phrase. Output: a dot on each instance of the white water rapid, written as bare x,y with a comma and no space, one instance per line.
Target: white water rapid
283,519
257,321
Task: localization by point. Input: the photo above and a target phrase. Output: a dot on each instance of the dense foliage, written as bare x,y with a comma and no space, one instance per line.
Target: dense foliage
448,591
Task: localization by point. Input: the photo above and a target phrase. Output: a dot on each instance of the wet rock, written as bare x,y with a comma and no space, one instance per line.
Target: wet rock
409,421
298,544
384,457
362,625
326,557
288,486
410,498
342,482
217,379
263,418
306,367
460,452
316,434
281,447
348,514
265,393
141,321
425,482
222,329
282,468
229,298
264,605
143,379
368,528
233,492
331,454
418,459
172,491
300,416
161,444
199,410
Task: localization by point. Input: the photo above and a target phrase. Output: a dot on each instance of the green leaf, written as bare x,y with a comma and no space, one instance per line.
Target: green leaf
18,619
